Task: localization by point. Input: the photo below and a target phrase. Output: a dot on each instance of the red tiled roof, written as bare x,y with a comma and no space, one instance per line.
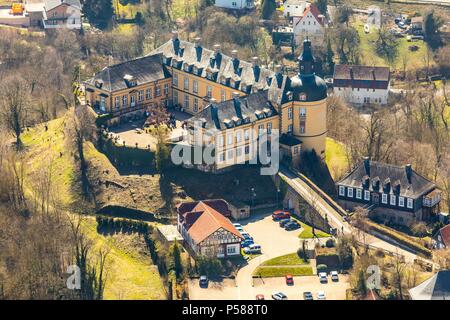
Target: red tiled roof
445,235
314,11
203,220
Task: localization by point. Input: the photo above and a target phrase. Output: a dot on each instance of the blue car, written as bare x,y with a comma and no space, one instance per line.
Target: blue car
246,243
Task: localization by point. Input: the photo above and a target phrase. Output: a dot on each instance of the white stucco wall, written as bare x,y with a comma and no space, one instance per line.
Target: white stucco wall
307,26
235,4
355,96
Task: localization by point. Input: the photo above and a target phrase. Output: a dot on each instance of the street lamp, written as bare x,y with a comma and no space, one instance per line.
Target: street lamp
253,196
278,194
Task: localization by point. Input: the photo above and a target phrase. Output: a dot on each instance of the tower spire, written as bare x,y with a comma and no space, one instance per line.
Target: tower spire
306,59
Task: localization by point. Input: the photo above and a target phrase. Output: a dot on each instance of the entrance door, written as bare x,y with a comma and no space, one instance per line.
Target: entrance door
375,198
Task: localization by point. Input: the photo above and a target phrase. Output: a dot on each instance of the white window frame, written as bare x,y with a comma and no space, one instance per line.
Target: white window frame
166,89
367,195
230,154
269,128
230,138
186,83
409,203
175,79
302,112
141,95
342,191
384,199
246,134
209,91
290,113
392,200
238,136
350,192
220,140
195,105
358,194
401,201
195,86
148,94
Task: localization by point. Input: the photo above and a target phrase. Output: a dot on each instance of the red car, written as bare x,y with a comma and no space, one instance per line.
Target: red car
280,214
289,280
260,297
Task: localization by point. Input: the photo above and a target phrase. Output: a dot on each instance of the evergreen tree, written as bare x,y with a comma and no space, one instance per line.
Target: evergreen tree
177,264
329,58
361,285
322,6
98,12
268,7
431,25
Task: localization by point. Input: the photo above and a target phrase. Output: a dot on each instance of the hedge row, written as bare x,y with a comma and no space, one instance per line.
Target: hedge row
122,224
399,238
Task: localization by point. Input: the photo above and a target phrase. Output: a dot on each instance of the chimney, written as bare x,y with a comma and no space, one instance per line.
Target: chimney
197,42
234,54
217,49
278,69
255,61
408,170
367,166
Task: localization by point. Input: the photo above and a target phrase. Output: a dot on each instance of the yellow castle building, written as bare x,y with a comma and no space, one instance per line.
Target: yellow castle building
230,96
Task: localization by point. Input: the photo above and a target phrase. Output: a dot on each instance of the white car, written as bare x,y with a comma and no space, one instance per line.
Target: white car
279,296
334,276
321,295
239,229
323,277
252,249
237,225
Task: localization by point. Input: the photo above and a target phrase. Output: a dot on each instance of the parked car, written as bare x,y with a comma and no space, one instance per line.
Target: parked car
246,243
307,295
283,222
239,229
321,295
237,225
280,214
292,225
289,280
246,236
334,276
260,297
252,249
203,282
279,296
323,277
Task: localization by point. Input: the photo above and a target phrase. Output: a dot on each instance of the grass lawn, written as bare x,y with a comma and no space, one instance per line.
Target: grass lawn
369,56
291,259
335,158
130,273
281,271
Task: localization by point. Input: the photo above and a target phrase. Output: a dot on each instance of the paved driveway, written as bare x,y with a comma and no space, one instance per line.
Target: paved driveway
274,241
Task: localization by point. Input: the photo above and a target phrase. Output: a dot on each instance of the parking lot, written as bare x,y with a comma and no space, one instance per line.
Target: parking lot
274,241
227,290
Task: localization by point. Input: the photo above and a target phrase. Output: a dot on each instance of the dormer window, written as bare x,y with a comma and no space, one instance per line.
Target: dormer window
302,96
130,81
99,83
187,67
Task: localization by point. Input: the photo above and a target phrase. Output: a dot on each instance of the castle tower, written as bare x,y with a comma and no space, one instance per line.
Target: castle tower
308,104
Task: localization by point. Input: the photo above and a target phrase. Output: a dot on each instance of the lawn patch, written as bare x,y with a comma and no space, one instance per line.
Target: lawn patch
281,271
335,158
308,234
291,259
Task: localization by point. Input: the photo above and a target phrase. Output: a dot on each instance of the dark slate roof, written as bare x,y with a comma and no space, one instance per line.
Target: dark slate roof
225,67
214,115
435,288
144,70
51,4
304,87
361,76
289,140
415,188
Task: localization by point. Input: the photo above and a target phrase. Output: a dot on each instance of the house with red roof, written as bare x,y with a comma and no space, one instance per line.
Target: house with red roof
441,240
310,24
207,229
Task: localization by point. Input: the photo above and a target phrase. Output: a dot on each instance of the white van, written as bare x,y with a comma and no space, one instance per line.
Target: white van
253,249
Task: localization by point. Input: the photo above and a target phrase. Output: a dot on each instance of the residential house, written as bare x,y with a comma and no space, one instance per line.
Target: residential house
309,24
55,14
129,89
361,85
441,240
294,8
435,288
207,230
391,193
235,4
